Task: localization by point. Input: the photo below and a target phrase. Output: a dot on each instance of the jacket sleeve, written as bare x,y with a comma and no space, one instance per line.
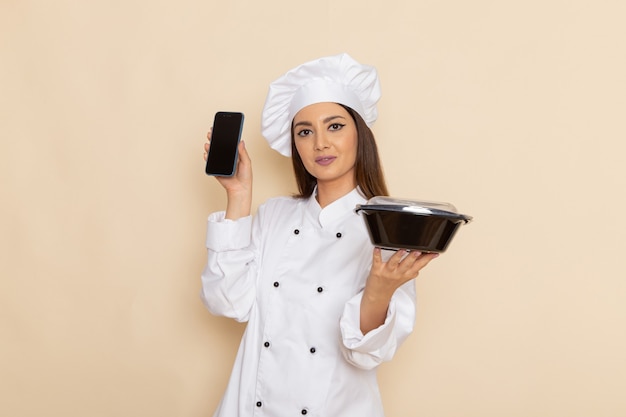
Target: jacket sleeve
229,277
379,345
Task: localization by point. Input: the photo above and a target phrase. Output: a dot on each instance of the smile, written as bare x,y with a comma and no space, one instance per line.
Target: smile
325,160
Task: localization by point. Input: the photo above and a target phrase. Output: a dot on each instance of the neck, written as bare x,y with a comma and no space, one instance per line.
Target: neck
328,193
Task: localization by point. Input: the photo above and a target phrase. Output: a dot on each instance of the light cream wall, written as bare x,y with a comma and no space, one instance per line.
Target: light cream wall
513,111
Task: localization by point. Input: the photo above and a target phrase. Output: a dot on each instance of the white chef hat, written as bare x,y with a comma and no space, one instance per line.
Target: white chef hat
338,79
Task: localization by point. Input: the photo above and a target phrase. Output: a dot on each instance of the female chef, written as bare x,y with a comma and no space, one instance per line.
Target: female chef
322,306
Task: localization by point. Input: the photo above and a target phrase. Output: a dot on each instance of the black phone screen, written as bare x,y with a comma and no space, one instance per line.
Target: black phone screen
222,156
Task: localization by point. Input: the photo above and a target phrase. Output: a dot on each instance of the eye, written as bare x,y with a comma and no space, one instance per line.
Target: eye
336,126
304,132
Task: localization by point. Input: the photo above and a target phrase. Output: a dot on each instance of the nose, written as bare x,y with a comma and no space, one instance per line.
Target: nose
321,141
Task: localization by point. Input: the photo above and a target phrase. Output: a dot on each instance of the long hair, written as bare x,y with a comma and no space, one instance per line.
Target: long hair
368,170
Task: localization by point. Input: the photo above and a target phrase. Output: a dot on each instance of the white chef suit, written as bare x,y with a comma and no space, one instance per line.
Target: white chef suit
296,273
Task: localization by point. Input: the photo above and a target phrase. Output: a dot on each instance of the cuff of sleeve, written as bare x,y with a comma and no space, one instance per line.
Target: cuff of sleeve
225,234
376,346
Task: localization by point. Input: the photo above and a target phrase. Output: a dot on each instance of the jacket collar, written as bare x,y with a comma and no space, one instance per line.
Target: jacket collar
336,210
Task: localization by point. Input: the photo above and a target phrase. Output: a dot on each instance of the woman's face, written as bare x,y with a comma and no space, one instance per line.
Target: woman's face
326,138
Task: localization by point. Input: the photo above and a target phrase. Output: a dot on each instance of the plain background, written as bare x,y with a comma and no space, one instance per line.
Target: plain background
511,110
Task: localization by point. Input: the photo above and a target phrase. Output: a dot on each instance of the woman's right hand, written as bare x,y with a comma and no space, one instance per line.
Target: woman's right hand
239,186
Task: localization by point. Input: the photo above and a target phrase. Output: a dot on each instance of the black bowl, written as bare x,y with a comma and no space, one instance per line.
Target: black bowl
404,224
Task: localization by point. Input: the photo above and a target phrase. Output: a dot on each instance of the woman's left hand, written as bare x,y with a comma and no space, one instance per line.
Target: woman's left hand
384,279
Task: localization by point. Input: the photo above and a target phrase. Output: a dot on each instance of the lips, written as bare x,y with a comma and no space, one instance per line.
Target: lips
325,160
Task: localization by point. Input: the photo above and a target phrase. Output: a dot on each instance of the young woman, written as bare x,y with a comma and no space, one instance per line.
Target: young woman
322,306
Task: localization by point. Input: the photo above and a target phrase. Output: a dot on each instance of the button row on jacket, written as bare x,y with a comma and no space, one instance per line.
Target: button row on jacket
319,289
297,232
312,350
304,410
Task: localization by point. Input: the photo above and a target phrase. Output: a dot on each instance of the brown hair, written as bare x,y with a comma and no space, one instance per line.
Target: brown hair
368,169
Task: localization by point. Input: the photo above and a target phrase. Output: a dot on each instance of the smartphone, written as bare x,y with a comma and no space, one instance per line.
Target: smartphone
222,156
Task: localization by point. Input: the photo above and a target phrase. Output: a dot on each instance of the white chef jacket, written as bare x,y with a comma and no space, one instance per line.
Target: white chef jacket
296,273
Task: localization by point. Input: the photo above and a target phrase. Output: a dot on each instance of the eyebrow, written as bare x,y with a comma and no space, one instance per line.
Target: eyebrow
326,120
